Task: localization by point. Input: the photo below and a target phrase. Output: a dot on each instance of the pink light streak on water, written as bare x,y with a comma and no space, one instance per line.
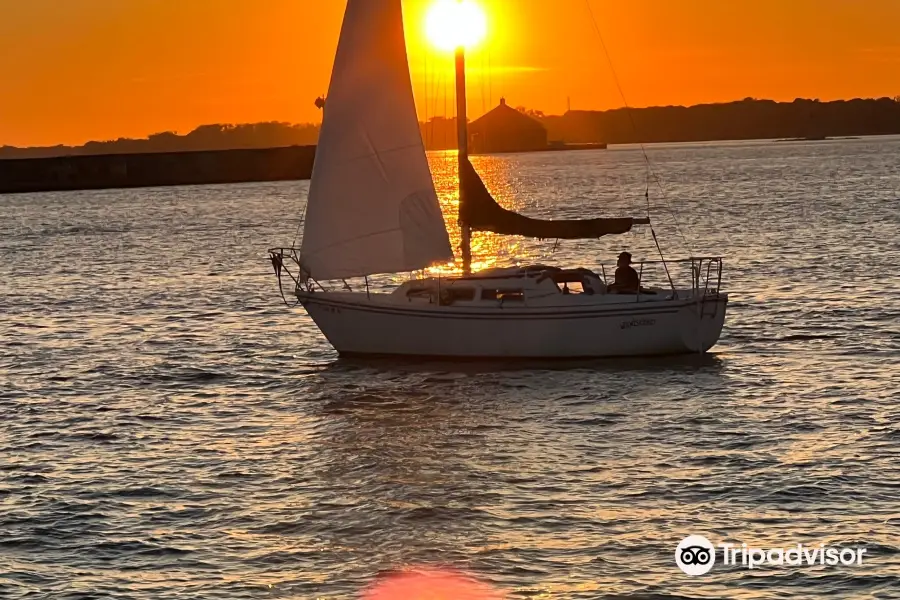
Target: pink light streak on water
430,584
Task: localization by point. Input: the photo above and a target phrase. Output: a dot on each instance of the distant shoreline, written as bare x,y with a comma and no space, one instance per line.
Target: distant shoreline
550,148
746,119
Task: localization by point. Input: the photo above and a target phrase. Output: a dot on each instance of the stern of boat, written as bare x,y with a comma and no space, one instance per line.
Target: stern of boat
702,322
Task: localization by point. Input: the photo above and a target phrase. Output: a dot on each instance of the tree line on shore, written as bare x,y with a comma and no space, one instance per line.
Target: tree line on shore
745,119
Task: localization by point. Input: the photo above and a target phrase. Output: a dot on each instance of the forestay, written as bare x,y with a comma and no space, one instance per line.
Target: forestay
372,203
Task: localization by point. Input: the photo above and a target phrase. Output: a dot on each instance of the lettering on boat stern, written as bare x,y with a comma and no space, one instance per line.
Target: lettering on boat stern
637,323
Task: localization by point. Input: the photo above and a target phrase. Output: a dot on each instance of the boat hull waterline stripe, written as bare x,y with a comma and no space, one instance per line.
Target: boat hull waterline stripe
514,312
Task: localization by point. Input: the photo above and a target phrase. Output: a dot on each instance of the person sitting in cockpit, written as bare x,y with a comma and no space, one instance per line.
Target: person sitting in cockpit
627,280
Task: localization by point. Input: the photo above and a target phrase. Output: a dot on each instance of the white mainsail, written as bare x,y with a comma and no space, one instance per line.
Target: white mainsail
372,204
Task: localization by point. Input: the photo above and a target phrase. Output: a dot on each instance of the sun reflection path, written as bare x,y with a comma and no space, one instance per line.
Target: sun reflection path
488,249
430,584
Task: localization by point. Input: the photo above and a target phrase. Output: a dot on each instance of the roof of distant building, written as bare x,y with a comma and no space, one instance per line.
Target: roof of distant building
505,111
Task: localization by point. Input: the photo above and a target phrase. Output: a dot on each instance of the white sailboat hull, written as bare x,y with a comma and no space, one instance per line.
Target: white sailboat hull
360,325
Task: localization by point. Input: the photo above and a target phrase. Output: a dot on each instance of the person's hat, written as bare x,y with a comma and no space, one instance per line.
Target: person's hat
626,256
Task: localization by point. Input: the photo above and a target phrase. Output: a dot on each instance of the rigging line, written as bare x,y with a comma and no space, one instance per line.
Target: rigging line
444,126
489,75
297,233
664,263
278,264
437,81
647,196
481,78
650,169
444,122
656,240
437,78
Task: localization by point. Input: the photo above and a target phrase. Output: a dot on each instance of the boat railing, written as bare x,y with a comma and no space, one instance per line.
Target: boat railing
704,273
287,260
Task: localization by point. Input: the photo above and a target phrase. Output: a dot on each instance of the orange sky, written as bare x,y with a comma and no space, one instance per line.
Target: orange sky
75,70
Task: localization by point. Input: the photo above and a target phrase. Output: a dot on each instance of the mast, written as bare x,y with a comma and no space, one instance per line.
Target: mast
479,211
462,133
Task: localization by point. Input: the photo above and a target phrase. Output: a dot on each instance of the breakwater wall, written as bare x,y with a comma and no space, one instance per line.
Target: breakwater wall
103,171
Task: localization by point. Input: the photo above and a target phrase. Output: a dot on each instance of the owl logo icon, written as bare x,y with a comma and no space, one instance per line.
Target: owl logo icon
695,555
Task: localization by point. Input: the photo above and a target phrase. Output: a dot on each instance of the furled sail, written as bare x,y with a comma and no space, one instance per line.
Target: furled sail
372,204
481,212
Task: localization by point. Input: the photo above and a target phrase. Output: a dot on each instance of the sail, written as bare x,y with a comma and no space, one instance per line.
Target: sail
480,212
372,204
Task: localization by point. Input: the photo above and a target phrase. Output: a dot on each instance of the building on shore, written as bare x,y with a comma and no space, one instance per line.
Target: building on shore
505,129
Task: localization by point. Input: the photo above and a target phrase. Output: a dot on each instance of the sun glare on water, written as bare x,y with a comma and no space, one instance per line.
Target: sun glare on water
431,584
454,23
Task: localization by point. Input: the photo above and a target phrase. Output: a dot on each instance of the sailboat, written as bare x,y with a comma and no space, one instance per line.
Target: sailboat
373,209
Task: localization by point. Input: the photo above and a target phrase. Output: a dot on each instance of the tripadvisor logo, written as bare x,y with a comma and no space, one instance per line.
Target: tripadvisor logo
696,555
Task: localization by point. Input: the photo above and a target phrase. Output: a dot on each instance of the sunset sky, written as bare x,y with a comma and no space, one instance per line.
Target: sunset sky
76,70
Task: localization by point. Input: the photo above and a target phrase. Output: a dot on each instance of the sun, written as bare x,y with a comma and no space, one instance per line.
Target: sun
451,24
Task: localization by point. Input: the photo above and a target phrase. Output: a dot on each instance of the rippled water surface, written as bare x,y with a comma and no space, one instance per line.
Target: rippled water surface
169,429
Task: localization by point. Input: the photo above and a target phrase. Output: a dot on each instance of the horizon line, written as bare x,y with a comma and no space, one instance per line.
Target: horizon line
453,117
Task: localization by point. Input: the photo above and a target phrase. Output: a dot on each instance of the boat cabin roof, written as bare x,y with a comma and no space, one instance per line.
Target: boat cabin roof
539,271
493,283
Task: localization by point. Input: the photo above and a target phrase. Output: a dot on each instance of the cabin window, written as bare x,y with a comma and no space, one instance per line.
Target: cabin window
504,294
571,287
461,294
418,292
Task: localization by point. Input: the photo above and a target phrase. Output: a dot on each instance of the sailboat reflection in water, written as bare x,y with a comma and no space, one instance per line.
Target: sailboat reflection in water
373,209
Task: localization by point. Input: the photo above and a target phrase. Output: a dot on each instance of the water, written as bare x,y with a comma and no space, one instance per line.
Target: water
170,430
